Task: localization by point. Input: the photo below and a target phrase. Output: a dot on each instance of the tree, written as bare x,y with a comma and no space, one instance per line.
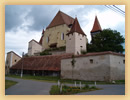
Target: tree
107,40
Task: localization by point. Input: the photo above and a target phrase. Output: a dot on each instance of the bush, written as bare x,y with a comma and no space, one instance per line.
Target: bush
55,90
45,53
93,87
86,86
83,52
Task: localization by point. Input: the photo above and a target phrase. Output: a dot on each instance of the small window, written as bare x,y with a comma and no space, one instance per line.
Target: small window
62,36
7,62
123,61
47,39
15,60
91,61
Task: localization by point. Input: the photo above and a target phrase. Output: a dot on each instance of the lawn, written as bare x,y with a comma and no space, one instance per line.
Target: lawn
55,79
9,83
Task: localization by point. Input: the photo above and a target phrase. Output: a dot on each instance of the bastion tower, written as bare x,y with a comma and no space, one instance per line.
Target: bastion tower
76,39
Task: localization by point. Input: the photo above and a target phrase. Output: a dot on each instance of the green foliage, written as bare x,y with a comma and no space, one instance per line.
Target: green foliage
57,49
55,90
86,86
73,61
83,52
93,87
45,53
26,55
55,79
40,78
107,40
48,51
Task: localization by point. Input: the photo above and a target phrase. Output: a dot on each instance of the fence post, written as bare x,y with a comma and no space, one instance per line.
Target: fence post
75,84
61,88
95,83
58,83
80,85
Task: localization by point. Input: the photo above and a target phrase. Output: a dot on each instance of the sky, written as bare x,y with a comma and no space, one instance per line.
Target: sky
26,22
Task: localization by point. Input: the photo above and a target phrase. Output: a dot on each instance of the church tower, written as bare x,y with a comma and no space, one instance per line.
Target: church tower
76,39
96,28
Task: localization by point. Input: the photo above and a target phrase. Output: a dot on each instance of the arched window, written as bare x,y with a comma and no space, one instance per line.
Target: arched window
62,36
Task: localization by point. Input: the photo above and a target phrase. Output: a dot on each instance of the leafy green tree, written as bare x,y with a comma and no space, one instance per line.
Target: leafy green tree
107,40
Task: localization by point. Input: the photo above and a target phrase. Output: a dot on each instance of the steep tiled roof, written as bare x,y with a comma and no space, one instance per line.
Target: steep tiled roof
76,28
50,63
96,26
40,42
61,18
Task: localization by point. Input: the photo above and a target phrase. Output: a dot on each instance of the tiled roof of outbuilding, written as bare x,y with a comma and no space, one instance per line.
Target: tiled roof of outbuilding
50,63
61,18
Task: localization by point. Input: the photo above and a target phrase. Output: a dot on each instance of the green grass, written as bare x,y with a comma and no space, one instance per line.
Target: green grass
38,78
55,79
9,83
67,90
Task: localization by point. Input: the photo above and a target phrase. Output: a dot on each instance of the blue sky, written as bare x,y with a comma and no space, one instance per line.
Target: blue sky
25,22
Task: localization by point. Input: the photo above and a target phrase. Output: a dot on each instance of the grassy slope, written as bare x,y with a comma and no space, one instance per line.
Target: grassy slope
9,83
55,79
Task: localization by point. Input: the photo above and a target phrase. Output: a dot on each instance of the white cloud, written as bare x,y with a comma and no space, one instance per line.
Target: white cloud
17,41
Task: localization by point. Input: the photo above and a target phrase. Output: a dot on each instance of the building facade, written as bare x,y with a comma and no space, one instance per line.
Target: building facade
11,59
55,33
34,47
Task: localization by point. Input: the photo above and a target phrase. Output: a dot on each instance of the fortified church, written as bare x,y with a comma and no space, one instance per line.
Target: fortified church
64,38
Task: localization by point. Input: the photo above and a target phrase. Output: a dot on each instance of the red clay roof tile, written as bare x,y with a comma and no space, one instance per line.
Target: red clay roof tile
61,18
96,26
50,63
76,28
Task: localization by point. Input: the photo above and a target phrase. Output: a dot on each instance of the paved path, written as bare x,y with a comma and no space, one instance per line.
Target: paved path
30,87
107,90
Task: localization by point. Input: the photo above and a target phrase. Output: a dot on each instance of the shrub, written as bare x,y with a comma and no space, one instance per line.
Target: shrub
45,53
86,86
93,87
83,52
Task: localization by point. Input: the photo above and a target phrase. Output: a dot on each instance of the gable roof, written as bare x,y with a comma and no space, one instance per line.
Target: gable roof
35,41
13,53
50,63
61,18
76,28
96,26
